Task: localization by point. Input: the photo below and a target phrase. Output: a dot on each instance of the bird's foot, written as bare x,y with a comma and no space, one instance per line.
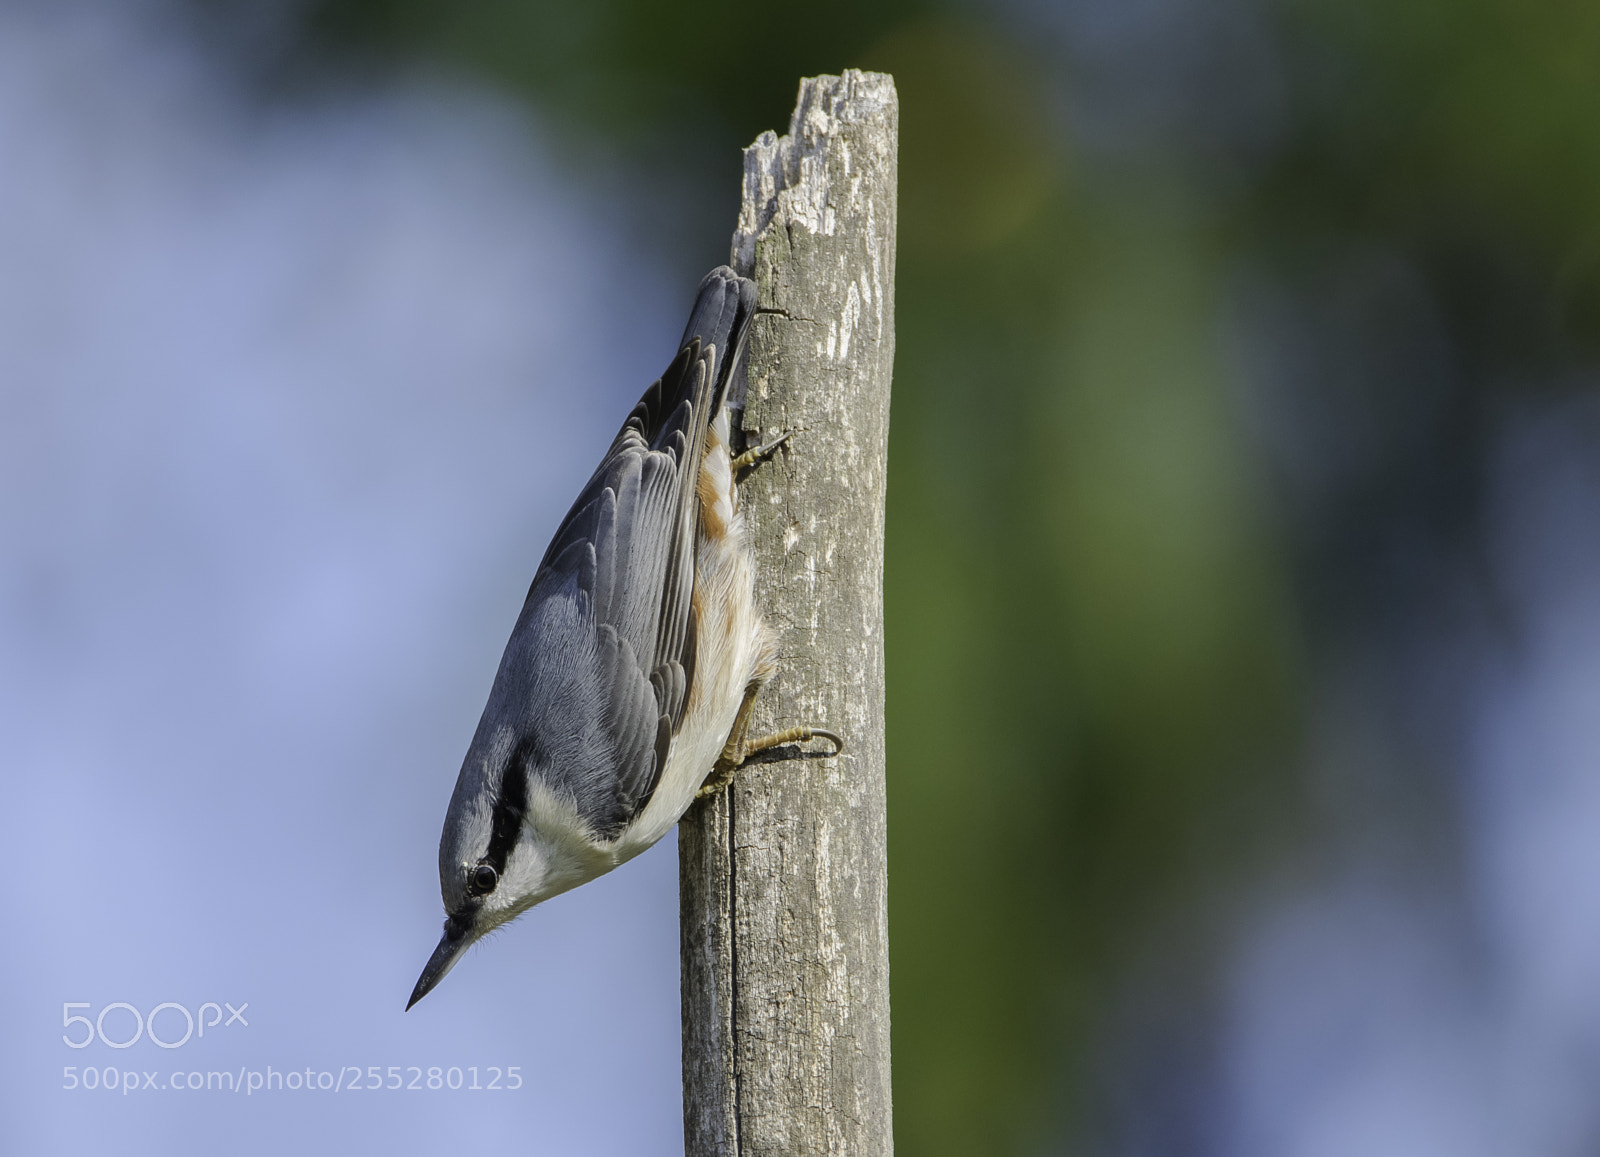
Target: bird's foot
718,780
752,458
796,735
738,753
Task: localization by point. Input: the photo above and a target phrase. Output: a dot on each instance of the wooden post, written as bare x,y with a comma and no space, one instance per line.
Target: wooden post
783,881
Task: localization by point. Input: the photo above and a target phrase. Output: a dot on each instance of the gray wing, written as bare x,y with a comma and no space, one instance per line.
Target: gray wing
598,669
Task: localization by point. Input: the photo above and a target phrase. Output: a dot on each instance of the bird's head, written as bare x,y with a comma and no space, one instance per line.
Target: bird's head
495,861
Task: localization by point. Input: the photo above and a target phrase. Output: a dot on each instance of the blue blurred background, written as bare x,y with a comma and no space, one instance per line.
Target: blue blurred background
1243,560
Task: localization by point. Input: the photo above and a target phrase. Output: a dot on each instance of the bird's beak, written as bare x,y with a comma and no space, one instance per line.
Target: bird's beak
457,936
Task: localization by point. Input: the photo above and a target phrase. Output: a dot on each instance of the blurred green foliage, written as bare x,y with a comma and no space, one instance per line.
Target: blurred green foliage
1104,613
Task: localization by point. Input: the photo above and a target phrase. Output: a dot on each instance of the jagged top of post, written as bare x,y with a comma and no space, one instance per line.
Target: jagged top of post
792,166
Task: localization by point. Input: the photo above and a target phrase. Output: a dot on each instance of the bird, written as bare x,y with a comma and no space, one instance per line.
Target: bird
625,691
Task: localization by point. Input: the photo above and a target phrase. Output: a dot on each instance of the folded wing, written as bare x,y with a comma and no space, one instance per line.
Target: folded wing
605,642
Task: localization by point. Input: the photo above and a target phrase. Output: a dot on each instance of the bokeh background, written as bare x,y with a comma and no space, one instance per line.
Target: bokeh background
1243,554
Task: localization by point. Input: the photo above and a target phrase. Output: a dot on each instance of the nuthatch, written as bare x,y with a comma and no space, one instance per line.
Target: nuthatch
627,685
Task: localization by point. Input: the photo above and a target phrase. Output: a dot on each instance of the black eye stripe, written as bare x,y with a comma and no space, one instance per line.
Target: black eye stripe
509,806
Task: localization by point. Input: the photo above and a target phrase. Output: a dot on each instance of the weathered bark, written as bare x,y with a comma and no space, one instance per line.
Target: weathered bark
783,877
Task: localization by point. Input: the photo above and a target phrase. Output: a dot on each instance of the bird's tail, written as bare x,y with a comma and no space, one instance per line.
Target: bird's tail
723,307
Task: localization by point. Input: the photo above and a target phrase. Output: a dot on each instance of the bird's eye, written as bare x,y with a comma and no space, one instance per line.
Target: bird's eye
484,878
